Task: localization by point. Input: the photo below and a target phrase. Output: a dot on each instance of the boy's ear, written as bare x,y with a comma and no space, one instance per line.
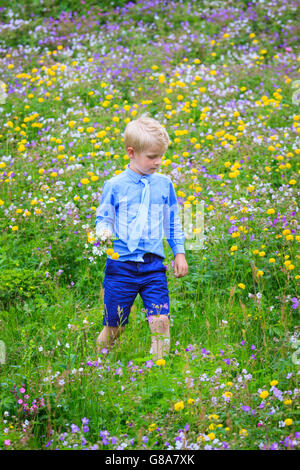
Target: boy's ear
130,152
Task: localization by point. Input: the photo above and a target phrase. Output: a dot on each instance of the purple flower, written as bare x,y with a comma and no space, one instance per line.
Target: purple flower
246,408
295,303
119,371
74,428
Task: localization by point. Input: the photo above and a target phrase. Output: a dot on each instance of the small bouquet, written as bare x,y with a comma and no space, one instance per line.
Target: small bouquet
98,243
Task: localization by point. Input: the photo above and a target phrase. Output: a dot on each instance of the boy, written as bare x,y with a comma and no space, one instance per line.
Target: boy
136,206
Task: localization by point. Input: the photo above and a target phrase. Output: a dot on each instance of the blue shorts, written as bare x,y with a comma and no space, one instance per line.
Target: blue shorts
122,282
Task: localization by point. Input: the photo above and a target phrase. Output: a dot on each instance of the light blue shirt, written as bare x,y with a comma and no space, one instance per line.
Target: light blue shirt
121,198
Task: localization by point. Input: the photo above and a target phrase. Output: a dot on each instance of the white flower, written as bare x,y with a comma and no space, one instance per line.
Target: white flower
40,348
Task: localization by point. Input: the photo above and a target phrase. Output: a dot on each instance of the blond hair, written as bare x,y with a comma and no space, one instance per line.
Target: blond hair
145,131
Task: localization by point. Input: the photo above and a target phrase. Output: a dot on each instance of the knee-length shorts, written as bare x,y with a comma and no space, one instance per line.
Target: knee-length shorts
123,280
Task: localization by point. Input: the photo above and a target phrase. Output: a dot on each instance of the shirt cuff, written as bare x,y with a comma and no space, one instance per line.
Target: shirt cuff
101,226
178,248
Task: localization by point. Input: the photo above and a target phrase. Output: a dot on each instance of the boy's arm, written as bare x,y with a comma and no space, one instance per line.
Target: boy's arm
172,225
105,214
175,234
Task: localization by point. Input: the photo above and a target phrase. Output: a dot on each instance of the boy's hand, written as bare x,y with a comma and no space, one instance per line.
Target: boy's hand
180,266
108,236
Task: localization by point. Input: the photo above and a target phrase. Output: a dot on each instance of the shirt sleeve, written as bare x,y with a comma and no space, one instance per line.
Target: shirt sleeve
105,213
172,225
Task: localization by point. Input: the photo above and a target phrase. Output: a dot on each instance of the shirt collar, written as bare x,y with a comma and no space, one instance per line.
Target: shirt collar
136,177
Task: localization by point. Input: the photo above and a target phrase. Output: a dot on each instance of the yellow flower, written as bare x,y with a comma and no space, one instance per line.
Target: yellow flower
243,432
241,285
211,435
288,401
15,228
233,248
84,181
191,401
273,383
288,422
109,251
270,211
179,406
160,362
272,260
151,427
264,394
260,273
115,255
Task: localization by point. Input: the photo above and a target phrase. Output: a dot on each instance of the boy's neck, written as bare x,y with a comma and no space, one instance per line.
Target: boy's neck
135,170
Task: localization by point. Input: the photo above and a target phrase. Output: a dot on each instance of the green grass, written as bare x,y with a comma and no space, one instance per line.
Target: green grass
233,332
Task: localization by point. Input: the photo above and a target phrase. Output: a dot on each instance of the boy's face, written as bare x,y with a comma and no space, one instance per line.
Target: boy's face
147,161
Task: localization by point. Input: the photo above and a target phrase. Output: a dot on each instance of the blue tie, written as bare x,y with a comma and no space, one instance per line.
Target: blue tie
138,224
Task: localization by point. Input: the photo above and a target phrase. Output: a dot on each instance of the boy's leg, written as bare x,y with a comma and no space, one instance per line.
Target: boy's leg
108,336
120,291
155,295
160,340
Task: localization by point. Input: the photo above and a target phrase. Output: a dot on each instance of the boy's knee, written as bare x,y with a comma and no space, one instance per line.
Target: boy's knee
109,334
160,322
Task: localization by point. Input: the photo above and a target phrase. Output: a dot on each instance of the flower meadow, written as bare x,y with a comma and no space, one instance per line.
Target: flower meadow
223,77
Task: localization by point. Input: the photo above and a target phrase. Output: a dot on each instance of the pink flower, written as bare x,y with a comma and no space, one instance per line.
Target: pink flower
20,401
7,442
22,390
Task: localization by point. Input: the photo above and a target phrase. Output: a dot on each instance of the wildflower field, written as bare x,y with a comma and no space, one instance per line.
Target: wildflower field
223,77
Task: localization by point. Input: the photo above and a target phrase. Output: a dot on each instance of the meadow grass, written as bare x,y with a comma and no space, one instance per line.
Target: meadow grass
222,80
